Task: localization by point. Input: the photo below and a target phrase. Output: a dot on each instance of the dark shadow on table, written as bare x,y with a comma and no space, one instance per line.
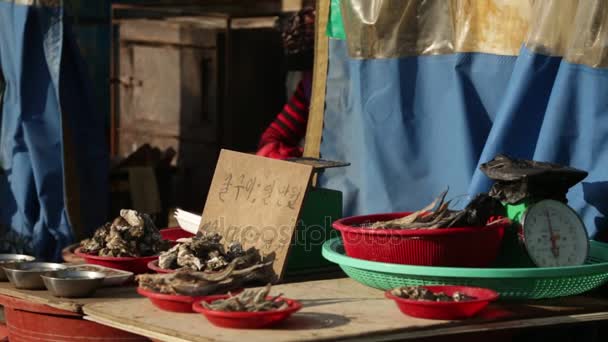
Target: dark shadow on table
307,303
313,321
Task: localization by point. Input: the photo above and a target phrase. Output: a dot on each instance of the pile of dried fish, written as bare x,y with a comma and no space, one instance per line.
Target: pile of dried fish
132,234
193,283
203,252
249,301
422,294
476,214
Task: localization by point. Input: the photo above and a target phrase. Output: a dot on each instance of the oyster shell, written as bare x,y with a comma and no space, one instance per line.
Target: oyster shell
132,234
193,283
205,253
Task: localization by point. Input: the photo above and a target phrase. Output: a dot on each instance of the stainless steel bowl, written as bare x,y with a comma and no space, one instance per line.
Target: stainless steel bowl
9,260
26,275
73,284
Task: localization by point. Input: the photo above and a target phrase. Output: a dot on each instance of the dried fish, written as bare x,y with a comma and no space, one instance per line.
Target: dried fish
476,214
193,283
249,301
422,294
132,234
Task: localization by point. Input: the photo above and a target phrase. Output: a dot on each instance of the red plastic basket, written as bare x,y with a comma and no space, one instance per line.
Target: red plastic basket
449,247
137,265
245,320
446,310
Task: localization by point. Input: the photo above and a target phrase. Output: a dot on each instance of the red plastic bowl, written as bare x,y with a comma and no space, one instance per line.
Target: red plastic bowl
174,233
449,247
167,302
245,320
137,265
153,265
446,310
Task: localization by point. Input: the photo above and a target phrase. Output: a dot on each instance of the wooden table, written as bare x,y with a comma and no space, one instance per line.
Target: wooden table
341,309
108,294
38,316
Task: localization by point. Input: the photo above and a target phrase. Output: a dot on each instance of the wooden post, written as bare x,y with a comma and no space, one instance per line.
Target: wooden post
314,129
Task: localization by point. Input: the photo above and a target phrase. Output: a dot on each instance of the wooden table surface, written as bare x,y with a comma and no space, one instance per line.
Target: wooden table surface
107,294
340,309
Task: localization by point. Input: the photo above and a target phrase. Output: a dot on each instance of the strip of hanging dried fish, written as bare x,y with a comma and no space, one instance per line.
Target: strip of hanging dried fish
193,283
203,252
476,214
249,301
422,294
132,234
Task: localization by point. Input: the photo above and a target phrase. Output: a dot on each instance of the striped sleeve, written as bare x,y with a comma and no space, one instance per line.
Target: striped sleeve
290,124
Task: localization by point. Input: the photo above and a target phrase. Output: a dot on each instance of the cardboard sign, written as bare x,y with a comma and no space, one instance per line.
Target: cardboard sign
256,201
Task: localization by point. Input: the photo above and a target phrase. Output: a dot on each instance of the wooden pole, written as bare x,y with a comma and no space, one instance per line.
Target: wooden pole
314,130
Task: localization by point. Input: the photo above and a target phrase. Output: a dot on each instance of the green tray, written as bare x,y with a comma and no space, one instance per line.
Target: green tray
511,283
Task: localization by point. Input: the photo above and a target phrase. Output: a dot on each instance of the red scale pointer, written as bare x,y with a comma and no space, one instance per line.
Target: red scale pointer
554,237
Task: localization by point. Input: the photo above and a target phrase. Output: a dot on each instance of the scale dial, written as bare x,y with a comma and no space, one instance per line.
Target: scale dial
554,235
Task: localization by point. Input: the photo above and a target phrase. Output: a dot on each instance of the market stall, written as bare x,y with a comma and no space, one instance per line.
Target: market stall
424,257
489,268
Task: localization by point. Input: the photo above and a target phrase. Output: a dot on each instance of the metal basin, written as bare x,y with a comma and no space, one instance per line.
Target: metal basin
8,260
26,275
73,284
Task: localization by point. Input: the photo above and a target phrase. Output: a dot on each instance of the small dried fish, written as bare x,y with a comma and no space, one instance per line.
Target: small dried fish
476,214
250,301
411,218
422,294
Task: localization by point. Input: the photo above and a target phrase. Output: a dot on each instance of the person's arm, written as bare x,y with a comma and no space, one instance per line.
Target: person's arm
281,139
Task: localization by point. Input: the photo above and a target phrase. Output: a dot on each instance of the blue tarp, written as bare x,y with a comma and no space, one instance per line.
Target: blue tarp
413,126
47,200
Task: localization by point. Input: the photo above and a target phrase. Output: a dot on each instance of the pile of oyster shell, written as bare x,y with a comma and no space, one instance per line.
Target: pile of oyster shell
203,252
240,271
420,293
132,234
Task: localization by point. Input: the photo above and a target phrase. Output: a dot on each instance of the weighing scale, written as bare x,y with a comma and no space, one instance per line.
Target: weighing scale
546,232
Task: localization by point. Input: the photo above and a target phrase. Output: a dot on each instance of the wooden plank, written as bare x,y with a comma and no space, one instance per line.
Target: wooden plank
314,129
109,294
172,33
341,309
494,326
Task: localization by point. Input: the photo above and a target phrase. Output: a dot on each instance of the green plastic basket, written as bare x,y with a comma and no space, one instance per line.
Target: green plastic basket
511,283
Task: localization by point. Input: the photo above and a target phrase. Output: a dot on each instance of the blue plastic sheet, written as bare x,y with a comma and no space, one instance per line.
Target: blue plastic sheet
47,111
413,126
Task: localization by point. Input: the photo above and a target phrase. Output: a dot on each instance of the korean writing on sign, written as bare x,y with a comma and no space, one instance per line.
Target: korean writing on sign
252,189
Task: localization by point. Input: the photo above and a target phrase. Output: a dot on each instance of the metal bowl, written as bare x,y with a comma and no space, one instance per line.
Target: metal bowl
8,260
26,275
73,284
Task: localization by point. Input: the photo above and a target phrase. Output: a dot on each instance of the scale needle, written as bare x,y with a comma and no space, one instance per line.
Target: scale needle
554,248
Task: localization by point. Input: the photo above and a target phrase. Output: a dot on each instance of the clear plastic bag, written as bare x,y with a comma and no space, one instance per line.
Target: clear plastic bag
575,29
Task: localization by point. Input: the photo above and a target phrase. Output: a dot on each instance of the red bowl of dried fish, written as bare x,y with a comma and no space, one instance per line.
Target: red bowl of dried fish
137,265
246,319
169,302
442,302
448,247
